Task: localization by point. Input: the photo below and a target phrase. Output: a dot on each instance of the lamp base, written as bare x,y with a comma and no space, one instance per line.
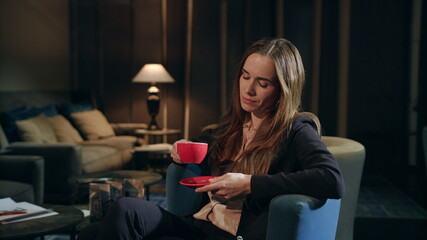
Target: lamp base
153,105
153,124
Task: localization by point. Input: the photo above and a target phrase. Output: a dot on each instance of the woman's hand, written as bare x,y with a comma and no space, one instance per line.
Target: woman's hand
174,152
230,186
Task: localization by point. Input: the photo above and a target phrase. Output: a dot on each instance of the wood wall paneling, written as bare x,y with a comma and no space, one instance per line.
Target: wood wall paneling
261,22
328,78
205,78
115,34
422,89
298,28
34,45
343,65
378,78
85,49
147,48
236,43
176,29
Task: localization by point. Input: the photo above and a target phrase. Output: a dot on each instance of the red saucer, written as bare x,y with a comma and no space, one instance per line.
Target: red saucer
195,182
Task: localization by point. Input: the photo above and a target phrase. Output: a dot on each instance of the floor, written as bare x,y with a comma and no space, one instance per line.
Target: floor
385,212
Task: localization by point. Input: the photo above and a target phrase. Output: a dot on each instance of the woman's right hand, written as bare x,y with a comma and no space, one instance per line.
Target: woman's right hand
174,152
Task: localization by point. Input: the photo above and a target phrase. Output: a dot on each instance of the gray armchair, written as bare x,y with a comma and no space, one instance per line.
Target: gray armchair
291,217
294,216
61,161
22,178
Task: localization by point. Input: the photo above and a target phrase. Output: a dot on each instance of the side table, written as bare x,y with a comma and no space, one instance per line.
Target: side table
66,220
156,133
143,155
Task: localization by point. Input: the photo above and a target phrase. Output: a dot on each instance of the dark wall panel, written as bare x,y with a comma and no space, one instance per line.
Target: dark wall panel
235,39
85,34
422,87
204,83
146,48
260,20
328,88
378,82
176,29
115,33
298,28
34,45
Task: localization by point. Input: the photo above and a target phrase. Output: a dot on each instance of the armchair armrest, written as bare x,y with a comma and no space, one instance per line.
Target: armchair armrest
62,160
127,128
26,169
302,217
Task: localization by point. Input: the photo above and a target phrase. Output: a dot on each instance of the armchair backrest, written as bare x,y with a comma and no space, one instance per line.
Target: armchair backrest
351,157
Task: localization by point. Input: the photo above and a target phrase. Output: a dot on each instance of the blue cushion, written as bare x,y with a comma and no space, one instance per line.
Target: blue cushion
48,110
67,108
9,118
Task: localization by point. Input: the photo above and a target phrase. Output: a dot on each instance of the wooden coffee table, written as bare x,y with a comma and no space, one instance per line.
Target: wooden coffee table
66,220
149,178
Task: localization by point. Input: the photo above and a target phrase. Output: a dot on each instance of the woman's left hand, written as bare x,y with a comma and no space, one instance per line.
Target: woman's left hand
230,185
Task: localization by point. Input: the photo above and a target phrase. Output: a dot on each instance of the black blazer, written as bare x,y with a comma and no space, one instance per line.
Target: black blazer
303,165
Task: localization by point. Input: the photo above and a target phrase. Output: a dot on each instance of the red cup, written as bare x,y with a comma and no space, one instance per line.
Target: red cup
192,152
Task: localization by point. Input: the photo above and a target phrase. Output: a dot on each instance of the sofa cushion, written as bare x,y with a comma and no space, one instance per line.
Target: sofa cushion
9,118
97,158
63,129
36,129
4,143
92,124
121,142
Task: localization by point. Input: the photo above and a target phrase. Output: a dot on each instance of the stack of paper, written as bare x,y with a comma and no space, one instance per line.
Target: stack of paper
11,211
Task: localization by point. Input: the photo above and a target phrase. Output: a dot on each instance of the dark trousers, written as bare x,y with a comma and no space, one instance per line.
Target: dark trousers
132,218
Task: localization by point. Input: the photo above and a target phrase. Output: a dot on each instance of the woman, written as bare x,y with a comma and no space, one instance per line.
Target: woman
262,148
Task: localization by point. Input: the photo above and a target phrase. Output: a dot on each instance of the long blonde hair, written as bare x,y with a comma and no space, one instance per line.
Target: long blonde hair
258,155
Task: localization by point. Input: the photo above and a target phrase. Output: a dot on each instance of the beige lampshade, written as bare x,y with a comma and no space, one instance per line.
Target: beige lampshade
153,73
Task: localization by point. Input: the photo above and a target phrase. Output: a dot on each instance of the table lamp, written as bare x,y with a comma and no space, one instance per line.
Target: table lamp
153,73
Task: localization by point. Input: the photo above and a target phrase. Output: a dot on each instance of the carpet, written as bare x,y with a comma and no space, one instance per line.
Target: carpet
159,199
385,212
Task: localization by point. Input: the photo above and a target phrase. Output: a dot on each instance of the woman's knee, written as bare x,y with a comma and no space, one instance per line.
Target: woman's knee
127,204
128,207
130,217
